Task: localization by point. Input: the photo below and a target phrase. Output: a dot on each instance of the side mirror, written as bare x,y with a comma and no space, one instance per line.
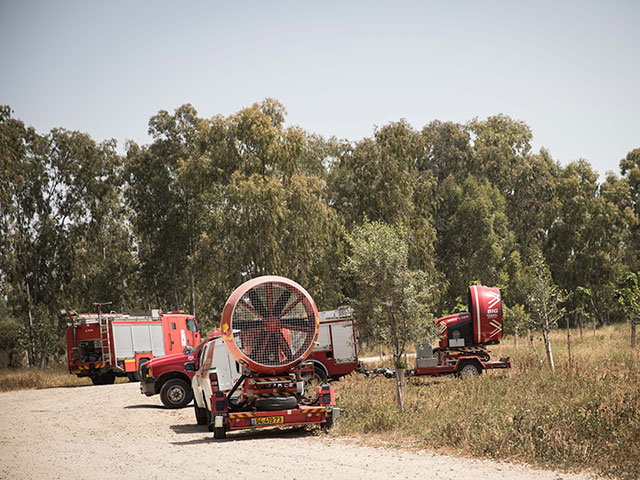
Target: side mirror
188,349
190,367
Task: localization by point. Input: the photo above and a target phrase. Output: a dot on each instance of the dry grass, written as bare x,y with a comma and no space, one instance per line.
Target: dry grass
37,378
583,418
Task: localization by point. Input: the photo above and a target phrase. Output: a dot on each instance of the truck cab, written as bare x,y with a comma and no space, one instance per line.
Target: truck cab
171,376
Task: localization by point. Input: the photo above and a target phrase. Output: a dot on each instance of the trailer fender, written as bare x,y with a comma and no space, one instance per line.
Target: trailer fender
320,368
469,367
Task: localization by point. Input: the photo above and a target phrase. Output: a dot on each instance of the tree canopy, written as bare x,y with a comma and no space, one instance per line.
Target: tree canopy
209,202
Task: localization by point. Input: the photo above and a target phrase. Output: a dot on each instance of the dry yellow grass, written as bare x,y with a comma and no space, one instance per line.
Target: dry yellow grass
37,378
583,418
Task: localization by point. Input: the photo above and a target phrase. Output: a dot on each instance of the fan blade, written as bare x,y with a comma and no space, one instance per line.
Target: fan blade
257,303
258,347
285,347
298,324
281,303
246,324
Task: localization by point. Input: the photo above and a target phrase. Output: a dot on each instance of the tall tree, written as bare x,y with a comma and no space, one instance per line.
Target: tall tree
54,189
473,235
630,169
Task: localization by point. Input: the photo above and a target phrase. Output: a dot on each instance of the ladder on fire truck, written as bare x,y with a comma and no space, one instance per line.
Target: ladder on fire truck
105,338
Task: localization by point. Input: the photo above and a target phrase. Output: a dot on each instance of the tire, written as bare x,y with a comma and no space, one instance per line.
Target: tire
176,393
328,422
276,403
202,414
318,377
219,433
104,379
468,369
133,377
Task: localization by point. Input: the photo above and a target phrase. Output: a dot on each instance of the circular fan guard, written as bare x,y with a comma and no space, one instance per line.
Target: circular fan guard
269,324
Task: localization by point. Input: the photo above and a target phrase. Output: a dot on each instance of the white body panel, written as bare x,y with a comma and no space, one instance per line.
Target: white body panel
131,339
214,358
343,339
337,335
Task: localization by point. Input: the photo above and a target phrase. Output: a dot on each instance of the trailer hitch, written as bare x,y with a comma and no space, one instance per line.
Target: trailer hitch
387,372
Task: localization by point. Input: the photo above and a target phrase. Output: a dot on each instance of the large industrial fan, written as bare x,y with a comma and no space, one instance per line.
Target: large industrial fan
270,324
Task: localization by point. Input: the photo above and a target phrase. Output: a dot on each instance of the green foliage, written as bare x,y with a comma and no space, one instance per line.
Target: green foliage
628,295
473,235
59,192
515,318
180,222
393,303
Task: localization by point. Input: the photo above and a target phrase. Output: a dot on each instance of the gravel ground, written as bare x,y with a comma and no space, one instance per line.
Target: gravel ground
114,432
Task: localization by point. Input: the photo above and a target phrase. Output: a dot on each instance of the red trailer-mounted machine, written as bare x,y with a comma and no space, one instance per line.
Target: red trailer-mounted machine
335,355
464,337
253,375
106,346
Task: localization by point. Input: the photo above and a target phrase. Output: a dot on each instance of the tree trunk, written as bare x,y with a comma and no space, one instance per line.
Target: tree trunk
594,326
569,341
547,347
633,333
380,347
580,325
400,387
193,295
515,337
533,347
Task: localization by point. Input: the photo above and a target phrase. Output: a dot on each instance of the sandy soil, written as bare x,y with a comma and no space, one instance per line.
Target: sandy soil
114,432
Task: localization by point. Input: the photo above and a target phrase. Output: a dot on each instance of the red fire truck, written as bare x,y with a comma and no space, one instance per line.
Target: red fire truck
106,346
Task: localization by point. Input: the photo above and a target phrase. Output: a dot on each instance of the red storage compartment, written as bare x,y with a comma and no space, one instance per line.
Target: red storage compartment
485,306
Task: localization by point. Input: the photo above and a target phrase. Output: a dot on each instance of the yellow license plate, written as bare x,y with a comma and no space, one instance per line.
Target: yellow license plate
267,420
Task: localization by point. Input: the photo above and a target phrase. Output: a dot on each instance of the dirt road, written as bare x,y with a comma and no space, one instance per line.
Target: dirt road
114,432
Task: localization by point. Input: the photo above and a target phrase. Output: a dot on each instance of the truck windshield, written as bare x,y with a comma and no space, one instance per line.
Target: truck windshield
192,326
199,345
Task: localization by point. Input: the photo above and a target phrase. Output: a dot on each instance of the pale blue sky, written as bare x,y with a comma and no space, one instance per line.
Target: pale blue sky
571,70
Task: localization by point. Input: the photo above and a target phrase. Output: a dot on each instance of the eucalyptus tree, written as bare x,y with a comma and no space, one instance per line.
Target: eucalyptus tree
630,169
56,191
473,235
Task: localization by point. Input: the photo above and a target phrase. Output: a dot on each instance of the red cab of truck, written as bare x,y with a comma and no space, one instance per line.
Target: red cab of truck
106,346
170,376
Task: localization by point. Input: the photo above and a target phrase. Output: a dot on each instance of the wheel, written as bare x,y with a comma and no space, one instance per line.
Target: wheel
469,369
315,379
133,377
219,433
104,378
202,414
176,393
276,403
328,422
